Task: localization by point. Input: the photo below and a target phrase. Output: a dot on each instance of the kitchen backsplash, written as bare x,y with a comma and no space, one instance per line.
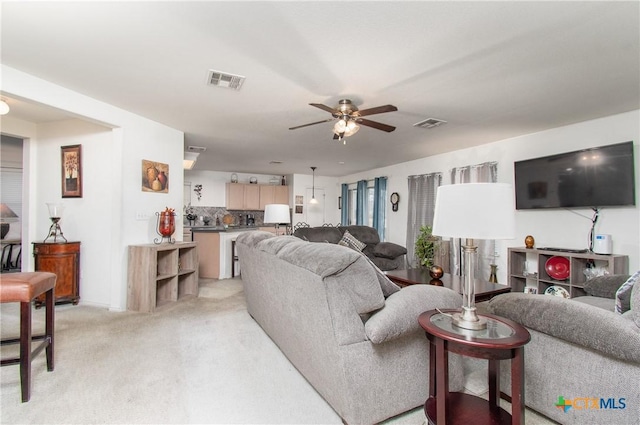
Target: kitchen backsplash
213,213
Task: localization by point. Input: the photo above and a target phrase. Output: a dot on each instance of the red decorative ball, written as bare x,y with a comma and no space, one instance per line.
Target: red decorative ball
436,272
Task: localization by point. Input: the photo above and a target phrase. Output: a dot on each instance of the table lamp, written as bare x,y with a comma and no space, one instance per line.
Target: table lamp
6,216
277,214
473,211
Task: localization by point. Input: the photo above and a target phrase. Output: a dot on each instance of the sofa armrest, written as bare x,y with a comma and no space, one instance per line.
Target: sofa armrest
389,250
605,286
604,331
399,316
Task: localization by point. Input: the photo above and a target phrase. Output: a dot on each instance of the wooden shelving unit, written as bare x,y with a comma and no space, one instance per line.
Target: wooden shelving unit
161,274
527,268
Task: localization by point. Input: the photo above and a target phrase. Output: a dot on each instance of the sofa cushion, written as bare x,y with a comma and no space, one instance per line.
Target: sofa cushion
623,294
635,304
252,238
389,250
605,286
350,241
399,316
366,234
384,263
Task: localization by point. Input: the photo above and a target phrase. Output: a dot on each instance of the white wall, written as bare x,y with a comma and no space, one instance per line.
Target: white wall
557,227
112,169
327,192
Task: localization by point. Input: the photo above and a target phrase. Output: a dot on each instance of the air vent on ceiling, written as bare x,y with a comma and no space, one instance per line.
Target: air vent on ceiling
430,123
198,149
275,162
224,79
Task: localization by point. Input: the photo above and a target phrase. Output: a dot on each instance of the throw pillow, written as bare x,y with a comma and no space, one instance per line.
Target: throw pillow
350,241
389,250
623,294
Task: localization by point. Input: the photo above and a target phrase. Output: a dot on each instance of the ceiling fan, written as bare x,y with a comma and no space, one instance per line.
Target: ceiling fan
350,118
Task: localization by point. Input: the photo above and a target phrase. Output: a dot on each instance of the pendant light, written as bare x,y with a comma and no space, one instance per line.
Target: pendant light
313,187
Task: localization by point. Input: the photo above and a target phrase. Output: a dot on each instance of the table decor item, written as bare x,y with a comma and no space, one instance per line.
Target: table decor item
529,241
557,267
557,291
166,225
436,272
55,214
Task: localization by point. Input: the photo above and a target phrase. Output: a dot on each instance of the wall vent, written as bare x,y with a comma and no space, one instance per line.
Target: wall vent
224,79
430,123
198,149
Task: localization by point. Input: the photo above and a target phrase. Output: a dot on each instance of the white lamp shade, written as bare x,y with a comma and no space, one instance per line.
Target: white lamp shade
475,211
276,213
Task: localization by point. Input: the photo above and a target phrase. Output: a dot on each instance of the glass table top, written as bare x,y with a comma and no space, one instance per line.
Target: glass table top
495,329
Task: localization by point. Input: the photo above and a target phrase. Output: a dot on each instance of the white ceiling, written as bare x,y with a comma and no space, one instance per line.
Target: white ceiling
492,70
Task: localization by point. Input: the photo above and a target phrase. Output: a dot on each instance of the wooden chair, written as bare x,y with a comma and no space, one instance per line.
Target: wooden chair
24,288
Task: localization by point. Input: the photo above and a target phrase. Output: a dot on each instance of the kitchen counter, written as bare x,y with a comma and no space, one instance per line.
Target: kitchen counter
221,228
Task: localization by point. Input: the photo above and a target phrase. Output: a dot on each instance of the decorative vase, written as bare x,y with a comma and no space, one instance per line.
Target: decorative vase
167,223
493,277
162,177
529,241
152,175
436,272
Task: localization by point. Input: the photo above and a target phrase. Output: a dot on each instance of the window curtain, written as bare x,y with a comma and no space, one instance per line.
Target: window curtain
481,173
344,214
422,202
361,203
379,204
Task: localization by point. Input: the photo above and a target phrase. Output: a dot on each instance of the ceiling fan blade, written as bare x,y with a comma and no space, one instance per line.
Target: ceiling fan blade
376,110
376,125
311,123
324,107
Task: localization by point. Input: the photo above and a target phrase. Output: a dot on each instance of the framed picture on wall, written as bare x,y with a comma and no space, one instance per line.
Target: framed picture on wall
71,164
299,200
155,176
298,209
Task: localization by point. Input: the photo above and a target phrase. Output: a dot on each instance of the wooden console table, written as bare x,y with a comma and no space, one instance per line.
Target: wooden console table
502,339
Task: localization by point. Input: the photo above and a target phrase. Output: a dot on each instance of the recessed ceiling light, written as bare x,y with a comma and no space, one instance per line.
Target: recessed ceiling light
341,162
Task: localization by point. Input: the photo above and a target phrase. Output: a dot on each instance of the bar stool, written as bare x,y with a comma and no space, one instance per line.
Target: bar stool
24,288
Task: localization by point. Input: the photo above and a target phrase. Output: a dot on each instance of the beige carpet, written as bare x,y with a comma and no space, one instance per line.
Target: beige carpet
202,360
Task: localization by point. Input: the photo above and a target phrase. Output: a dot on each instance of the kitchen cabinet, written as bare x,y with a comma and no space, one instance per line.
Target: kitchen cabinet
62,259
209,253
251,197
270,194
254,197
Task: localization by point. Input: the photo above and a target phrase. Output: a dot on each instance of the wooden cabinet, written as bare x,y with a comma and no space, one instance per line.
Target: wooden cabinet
161,274
254,197
270,194
527,269
63,259
209,253
235,196
251,197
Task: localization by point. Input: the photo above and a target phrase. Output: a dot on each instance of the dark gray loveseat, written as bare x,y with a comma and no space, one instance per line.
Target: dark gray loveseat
385,255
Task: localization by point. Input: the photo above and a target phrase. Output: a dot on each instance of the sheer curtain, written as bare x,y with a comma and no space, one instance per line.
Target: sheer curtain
379,204
481,173
422,201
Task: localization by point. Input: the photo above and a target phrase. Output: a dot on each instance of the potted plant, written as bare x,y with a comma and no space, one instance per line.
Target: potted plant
426,247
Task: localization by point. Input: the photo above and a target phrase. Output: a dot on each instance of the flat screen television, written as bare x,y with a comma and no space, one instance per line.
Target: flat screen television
594,177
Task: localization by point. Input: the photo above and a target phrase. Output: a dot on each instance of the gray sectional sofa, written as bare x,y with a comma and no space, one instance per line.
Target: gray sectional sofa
580,350
385,255
352,335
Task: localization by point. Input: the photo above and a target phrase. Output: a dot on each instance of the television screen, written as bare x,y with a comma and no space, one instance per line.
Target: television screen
595,177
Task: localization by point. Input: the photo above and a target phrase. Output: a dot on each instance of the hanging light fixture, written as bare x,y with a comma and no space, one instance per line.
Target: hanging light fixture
345,127
313,187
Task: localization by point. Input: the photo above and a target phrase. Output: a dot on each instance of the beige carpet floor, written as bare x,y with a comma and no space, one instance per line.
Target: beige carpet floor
202,360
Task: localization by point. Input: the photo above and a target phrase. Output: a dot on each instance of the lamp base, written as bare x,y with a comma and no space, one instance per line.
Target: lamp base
468,319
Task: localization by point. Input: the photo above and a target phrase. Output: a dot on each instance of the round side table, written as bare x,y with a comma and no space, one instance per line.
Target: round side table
502,339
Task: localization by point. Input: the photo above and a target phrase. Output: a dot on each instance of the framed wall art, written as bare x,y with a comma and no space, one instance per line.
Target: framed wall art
71,161
155,176
298,209
299,200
